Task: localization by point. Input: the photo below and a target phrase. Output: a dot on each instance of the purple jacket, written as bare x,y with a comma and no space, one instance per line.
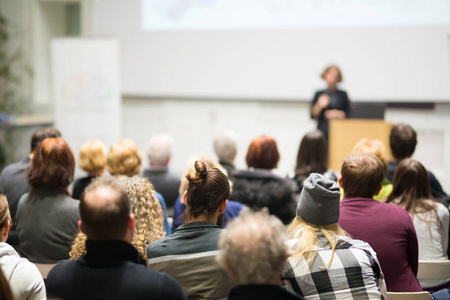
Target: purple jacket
390,231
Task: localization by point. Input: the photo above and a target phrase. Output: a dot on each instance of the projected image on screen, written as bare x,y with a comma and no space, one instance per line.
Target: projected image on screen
252,14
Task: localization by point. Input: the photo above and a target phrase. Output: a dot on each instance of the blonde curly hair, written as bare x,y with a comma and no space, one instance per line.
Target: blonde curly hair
149,216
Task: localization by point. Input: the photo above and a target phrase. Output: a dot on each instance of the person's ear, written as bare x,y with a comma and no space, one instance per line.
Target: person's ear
184,198
131,221
80,226
340,181
5,229
223,207
379,189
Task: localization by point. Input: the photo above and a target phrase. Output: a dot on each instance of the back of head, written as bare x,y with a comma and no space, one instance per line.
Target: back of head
53,164
92,156
225,146
124,158
403,141
206,190
149,216
263,153
312,154
160,149
104,210
253,249
375,147
411,186
362,175
5,216
41,134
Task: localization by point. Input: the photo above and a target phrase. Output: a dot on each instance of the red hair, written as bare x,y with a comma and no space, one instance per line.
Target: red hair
53,164
263,153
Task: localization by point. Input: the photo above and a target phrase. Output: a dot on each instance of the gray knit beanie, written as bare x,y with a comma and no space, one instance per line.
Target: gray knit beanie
319,201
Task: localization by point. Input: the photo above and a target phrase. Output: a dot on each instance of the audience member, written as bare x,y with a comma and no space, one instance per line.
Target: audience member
387,228
24,278
124,158
254,253
149,217
47,216
225,146
92,159
403,141
258,187
233,207
312,157
14,181
431,219
109,269
189,253
164,181
325,263
377,148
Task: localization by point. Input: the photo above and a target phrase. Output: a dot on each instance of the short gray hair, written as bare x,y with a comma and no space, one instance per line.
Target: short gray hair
159,148
225,145
253,249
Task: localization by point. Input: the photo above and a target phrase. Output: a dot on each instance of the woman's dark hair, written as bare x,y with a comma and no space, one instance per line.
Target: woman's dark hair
411,187
52,166
312,154
207,189
263,153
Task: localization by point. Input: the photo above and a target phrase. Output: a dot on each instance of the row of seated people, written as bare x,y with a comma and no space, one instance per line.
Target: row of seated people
47,153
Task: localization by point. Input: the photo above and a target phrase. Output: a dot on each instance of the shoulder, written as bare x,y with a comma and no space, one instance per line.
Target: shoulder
442,211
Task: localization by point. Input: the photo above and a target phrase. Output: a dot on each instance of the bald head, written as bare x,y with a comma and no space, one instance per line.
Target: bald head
105,210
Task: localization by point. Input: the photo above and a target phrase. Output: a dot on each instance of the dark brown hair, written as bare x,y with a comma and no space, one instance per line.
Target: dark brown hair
5,215
312,154
403,141
53,164
327,69
263,153
41,134
362,175
207,189
110,220
411,187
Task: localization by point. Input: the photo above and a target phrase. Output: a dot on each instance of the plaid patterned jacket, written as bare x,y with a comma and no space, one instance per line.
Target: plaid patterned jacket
354,273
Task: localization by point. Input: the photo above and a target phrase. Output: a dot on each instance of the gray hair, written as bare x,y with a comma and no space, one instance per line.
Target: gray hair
159,148
225,145
253,249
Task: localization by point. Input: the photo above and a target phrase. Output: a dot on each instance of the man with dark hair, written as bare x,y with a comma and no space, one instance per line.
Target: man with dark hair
386,227
14,182
403,141
109,269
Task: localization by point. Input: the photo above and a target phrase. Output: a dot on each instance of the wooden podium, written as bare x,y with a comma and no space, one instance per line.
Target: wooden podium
344,134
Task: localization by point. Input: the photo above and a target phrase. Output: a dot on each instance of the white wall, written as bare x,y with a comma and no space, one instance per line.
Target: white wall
193,125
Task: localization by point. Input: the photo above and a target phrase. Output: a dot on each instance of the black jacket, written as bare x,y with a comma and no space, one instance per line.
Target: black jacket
261,188
109,270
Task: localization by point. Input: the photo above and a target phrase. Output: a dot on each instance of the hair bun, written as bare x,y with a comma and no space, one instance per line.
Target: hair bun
200,167
200,172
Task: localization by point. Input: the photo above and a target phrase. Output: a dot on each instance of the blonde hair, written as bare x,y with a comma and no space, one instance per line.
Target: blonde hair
149,216
375,147
92,156
5,215
124,158
190,167
309,243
